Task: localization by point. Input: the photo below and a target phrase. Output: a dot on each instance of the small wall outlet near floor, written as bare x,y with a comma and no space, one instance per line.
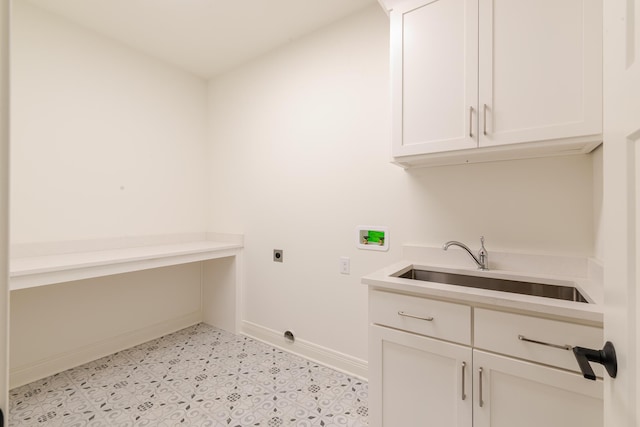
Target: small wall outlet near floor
345,265
278,255
289,337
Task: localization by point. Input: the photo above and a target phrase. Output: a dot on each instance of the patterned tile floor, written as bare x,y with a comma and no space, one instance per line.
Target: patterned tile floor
200,376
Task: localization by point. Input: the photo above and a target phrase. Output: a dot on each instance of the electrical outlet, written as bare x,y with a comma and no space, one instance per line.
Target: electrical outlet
345,265
278,255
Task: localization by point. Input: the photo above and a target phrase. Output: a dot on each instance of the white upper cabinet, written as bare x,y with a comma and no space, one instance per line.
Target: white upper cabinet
481,80
540,70
435,75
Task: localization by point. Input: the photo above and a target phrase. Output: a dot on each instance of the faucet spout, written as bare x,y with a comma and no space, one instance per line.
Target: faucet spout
482,260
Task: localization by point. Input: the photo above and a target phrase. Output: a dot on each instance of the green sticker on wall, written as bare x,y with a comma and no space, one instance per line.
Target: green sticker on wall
375,236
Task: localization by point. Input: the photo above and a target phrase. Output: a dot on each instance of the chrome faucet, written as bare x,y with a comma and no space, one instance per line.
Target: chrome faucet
482,260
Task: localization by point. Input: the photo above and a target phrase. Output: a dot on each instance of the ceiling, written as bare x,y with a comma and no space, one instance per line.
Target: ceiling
205,37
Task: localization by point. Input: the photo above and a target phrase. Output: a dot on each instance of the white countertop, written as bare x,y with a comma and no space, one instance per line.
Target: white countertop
591,312
35,271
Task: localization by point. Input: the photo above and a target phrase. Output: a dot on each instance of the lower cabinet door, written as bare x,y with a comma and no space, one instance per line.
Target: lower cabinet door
510,392
418,381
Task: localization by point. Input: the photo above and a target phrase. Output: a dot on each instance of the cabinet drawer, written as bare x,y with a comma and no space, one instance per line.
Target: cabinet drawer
499,332
449,321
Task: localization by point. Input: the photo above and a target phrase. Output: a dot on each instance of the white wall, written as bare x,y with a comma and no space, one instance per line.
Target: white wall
300,156
598,205
106,142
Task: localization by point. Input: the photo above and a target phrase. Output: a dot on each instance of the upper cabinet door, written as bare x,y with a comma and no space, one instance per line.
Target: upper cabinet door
540,70
434,76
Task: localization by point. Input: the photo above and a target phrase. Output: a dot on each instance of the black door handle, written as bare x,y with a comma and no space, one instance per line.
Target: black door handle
606,357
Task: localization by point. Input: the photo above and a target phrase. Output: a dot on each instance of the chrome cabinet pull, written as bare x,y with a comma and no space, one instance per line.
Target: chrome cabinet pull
427,319
480,401
484,118
561,347
464,365
470,122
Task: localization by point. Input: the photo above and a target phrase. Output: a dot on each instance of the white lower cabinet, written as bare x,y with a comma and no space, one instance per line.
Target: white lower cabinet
511,392
418,380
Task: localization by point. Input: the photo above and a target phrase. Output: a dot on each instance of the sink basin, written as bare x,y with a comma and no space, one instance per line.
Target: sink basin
567,293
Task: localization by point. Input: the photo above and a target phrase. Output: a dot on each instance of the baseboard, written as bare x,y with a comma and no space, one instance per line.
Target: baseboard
26,374
323,355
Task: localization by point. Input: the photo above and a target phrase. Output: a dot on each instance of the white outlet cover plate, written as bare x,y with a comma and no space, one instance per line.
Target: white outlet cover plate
345,265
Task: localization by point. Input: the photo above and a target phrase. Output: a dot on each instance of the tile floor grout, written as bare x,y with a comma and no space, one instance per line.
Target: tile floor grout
199,376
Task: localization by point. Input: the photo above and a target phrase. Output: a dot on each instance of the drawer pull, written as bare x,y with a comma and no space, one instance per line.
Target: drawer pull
561,347
427,319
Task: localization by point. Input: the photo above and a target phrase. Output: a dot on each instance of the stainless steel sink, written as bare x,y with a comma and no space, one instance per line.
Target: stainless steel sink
568,293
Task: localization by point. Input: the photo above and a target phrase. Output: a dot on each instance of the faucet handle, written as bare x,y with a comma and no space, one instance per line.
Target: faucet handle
483,255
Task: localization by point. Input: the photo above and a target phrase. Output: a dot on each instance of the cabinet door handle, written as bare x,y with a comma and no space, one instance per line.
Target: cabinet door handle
480,401
464,366
470,122
561,347
427,319
484,119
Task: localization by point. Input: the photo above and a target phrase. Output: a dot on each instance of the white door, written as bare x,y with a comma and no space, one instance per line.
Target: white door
4,202
434,75
419,381
622,206
540,73
511,392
